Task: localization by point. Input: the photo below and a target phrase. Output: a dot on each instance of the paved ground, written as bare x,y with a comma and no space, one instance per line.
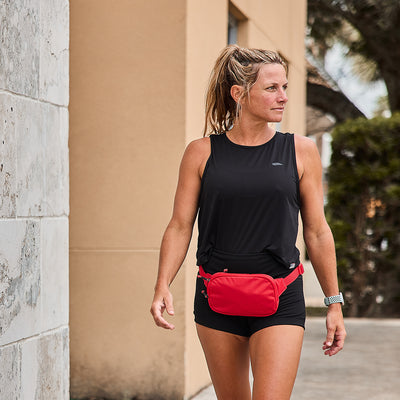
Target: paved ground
368,368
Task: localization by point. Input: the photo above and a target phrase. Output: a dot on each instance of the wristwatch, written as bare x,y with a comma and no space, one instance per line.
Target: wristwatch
334,299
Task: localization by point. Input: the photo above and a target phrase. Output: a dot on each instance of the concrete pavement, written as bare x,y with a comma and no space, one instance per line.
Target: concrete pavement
368,368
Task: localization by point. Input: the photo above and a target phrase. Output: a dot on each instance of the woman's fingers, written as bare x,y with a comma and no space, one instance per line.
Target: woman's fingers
333,347
160,304
336,333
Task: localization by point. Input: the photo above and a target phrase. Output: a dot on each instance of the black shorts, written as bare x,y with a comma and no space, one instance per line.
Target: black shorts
291,310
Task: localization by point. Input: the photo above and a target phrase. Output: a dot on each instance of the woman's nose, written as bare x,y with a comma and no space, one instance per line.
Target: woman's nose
282,96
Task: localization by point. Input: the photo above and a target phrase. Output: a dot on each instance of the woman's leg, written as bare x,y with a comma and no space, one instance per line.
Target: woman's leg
227,357
275,355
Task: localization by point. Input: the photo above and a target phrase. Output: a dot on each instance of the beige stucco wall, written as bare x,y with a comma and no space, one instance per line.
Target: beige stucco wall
127,130
139,71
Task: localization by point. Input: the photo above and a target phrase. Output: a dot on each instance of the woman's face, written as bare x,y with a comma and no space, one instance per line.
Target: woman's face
267,97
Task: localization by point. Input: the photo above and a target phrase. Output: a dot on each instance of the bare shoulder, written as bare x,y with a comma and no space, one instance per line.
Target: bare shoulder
197,153
201,146
307,155
304,144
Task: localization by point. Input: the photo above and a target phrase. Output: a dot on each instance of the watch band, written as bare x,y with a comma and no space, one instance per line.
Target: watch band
334,299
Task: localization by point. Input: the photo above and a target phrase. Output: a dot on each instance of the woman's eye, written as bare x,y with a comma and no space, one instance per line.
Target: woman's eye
274,88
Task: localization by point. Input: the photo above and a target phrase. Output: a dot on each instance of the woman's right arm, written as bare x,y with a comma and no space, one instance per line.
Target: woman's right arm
177,236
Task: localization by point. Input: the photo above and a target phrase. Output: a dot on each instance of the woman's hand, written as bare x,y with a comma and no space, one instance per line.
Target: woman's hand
336,332
162,301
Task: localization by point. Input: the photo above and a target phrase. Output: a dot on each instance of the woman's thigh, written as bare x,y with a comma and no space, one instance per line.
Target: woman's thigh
275,355
227,357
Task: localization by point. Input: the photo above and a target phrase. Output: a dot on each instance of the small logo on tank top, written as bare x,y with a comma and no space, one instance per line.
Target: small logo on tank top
276,164
292,265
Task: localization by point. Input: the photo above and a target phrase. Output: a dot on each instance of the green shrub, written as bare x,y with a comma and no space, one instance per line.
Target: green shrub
363,211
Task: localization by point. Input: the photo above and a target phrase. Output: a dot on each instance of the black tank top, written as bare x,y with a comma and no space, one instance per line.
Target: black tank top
249,200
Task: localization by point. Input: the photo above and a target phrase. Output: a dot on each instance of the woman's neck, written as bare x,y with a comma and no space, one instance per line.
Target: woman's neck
250,134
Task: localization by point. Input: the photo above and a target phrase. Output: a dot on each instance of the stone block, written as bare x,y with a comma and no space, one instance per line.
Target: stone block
29,368
54,51
19,57
53,376
54,278
56,161
8,161
44,366
10,372
30,134
42,181
20,279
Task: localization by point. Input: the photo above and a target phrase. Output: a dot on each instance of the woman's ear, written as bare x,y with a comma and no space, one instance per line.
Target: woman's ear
236,92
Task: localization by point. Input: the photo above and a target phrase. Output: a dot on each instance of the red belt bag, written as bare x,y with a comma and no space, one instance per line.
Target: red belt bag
247,295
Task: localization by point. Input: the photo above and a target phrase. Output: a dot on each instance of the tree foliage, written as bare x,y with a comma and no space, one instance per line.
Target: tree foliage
364,213
369,29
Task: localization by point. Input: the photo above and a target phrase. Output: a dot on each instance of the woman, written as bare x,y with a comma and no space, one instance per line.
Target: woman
248,184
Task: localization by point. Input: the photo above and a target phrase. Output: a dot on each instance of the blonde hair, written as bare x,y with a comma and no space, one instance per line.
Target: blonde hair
234,66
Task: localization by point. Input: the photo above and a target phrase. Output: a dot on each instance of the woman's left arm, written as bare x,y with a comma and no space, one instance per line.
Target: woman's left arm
318,238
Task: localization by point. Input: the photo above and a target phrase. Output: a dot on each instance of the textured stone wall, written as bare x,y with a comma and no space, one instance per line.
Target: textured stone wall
34,199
